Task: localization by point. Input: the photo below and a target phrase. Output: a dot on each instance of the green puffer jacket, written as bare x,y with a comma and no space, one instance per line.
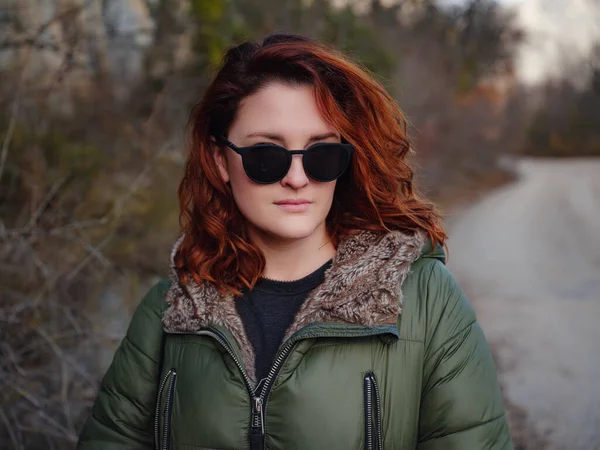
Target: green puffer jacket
385,354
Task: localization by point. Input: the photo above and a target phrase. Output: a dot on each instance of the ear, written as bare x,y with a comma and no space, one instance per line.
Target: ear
218,153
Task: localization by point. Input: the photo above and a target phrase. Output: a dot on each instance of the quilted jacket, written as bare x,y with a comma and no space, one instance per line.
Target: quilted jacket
385,354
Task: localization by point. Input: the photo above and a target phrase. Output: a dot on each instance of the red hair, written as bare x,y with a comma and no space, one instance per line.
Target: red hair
376,193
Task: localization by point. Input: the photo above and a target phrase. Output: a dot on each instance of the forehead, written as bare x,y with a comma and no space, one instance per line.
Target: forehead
280,108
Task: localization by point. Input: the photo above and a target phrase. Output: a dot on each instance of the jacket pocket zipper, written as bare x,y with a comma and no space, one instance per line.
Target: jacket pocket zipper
372,410
167,383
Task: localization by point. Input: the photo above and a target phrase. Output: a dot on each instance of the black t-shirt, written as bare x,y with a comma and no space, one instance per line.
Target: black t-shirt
268,311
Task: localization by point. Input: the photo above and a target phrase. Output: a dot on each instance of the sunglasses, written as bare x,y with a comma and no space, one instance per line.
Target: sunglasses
269,163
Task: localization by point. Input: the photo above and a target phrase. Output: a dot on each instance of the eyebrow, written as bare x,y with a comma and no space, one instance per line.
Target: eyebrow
278,137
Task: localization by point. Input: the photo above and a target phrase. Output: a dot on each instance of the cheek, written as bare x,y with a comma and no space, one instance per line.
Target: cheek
326,192
237,175
247,194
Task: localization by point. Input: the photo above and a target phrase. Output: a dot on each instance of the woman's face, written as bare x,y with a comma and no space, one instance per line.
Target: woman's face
287,116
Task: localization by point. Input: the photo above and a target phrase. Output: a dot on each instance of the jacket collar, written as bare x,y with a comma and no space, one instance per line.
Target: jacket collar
361,287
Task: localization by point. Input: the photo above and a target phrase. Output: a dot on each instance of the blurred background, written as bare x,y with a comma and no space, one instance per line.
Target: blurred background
504,104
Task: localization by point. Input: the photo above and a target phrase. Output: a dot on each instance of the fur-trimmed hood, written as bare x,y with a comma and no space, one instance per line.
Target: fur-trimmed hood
362,286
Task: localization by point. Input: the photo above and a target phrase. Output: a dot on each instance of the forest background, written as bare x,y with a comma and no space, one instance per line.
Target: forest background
94,96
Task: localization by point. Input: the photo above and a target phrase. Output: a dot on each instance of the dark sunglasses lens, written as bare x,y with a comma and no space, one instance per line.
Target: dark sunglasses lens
326,162
266,163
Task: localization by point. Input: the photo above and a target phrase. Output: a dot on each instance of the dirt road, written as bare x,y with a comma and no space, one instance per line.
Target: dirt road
529,257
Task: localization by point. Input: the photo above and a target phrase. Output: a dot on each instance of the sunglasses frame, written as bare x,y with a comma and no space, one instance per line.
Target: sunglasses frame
349,148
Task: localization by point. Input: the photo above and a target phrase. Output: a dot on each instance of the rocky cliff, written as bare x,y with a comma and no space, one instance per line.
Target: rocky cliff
82,40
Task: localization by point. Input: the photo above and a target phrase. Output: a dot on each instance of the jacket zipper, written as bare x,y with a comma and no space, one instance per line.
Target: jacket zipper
168,408
257,429
372,404
259,400
268,383
157,413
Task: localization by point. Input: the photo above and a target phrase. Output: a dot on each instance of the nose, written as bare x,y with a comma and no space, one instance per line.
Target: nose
296,177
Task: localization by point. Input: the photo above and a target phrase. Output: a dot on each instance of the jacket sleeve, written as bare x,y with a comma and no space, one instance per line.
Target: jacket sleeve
123,413
461,402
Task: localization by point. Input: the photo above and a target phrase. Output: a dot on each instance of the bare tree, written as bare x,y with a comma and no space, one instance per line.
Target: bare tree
60,212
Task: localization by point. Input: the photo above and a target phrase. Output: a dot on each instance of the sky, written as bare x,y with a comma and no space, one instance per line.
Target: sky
559,32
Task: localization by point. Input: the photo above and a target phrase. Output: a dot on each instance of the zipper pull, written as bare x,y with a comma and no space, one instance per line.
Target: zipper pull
259,387
257,433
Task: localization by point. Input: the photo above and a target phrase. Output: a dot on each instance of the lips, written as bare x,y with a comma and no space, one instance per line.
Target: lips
295,205
300,201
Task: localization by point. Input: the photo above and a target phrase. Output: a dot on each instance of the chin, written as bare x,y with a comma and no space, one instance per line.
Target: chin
292,230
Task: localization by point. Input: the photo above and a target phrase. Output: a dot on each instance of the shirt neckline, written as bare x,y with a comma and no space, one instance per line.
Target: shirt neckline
310,281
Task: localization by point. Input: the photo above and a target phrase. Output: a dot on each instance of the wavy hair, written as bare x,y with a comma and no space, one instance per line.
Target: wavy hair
376,193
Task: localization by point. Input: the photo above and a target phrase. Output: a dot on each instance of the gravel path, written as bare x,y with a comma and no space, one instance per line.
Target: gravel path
529,257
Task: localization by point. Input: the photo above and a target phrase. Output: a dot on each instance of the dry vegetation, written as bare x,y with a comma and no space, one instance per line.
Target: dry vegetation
91,154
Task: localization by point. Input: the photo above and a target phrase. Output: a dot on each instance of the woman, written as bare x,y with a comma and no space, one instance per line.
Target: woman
309,306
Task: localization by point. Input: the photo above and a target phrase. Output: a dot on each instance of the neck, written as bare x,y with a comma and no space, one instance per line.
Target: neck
292,259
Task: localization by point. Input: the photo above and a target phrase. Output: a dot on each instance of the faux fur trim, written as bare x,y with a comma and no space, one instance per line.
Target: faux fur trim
362,287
